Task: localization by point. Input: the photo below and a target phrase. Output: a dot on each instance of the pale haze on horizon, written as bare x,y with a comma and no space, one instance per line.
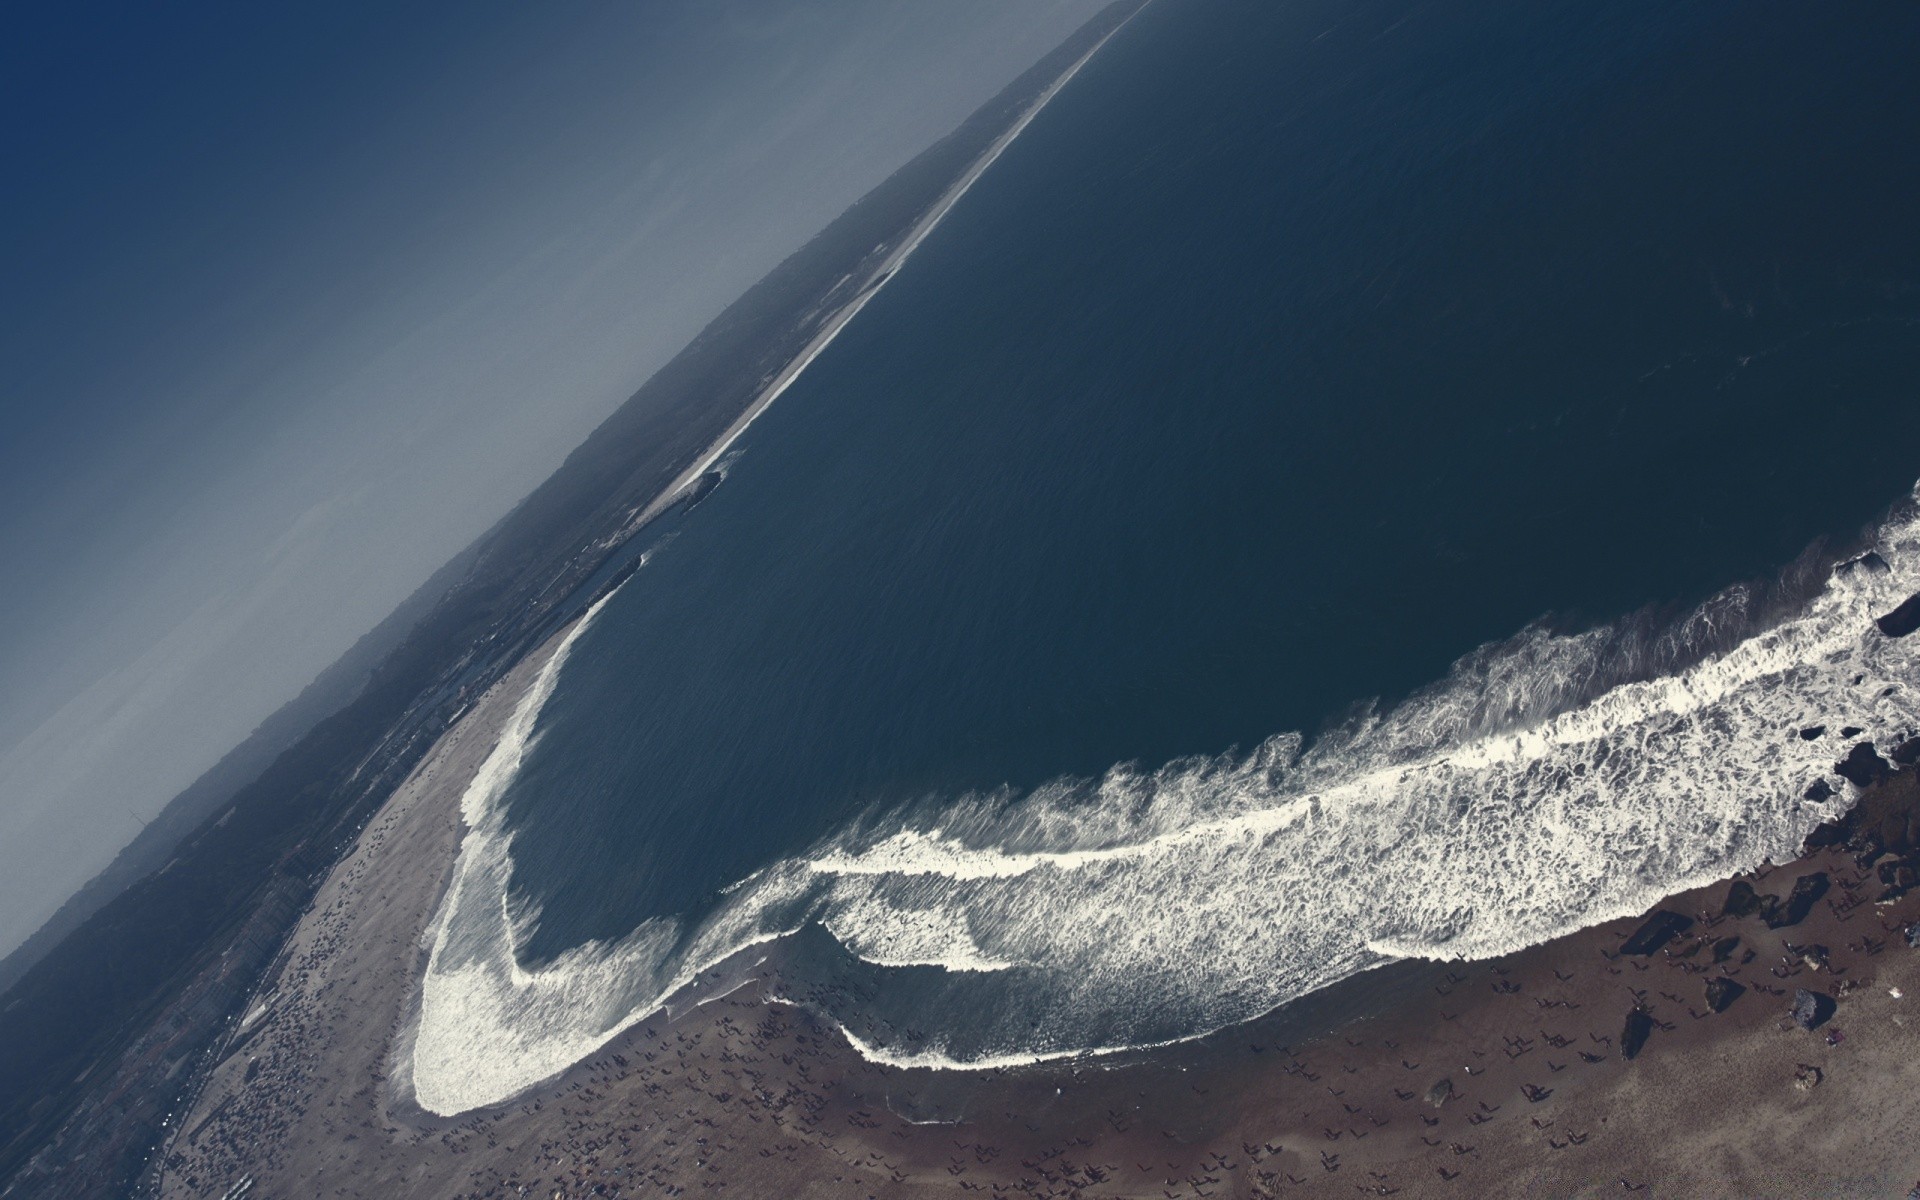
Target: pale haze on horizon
299,303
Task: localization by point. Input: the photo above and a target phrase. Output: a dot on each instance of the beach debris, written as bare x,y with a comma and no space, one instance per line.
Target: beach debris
1722,992
1899,876
1811,1009
1633,1035
1807,1077
1659,929
1813,957
1806,891
1903,620
1913,935
1440,1092
1741,901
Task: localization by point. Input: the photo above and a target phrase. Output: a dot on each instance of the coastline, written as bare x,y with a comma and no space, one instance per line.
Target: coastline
878,278
742,1091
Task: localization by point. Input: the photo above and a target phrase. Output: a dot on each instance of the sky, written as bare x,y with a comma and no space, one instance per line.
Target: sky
297,299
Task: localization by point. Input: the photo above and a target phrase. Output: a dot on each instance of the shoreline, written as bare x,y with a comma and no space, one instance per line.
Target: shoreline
877,279
1325,1094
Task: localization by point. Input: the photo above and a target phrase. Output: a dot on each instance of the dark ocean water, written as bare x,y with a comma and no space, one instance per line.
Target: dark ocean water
1294,352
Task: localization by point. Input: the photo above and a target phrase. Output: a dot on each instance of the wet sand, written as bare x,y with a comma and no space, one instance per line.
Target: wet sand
1502,1078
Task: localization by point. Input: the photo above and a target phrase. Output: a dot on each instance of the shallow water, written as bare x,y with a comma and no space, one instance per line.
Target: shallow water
1293,353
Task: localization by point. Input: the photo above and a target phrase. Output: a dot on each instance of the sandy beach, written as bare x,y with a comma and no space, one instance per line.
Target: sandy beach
1501,1078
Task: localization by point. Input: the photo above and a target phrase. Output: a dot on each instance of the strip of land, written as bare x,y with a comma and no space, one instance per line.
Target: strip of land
891,259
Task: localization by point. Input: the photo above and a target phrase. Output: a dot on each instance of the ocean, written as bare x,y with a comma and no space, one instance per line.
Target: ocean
1355,480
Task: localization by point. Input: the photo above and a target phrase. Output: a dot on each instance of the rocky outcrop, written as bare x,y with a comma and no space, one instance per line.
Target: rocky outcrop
1659,929
1722,992
1903,620
1885,820
1811,1009
1807,891
1863,767
1634,1034
1741,901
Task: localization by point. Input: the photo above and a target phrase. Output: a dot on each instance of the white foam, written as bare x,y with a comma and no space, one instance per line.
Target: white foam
1521,798
888,934
484,1021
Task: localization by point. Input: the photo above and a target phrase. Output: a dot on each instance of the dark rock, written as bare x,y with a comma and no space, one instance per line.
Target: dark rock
1633,1035
1818,792
1899,874
1811,732
1722,992
1741,901
1863,766
1807,891
1661,928
1828,833
1440,1092
1811,1009
1724,948
703,487
1869,563
1906,753
1903,620
1851,731
1769,908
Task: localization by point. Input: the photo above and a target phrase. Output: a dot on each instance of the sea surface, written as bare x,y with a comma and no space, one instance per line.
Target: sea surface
1354,480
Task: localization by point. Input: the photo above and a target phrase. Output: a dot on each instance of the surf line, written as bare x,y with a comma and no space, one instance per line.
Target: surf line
878,278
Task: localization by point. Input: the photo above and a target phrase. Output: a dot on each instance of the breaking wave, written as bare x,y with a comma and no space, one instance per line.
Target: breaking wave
1547,784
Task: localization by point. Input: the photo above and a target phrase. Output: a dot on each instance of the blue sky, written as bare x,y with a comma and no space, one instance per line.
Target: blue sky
296,300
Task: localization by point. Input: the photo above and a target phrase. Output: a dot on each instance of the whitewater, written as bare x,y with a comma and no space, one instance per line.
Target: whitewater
1547,784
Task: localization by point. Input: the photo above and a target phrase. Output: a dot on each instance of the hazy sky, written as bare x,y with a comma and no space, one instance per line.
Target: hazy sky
297,299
